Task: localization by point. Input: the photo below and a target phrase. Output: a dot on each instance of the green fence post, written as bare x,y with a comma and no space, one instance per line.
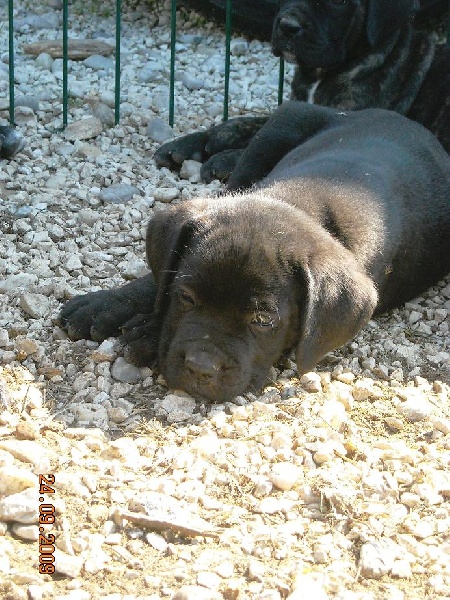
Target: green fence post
227,60
117,73
65,52
281,82
11,60
173,36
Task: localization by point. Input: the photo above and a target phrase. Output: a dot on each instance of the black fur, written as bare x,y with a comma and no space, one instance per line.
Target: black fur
349,216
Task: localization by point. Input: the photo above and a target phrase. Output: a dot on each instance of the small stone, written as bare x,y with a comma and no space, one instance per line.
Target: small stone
27,430
394,423
225,569
84,129
159,131
31,102
14,480
21,507
363,389
28,451
333,413
4,338
401,569
166,194
73,263
26,532
256,571
196,592
35,305
192,83
308,586
13,283
123,449
414,316
190,169
118,193
377,558
208,579
44,61
284,475
106,352
157,541
183,406
124,371
25,346
66,564
88,216
416,409
311,382
238,47
98,62
442,425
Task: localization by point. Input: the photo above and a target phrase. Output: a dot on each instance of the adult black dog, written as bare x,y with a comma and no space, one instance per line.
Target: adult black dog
11,141
256,18
351,216
350,55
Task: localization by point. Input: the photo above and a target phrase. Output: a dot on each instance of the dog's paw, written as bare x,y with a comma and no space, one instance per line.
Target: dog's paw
233,134
140,340
220,166
11,142
188,147
95,316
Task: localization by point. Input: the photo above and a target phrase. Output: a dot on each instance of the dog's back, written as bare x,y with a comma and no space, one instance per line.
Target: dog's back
380,183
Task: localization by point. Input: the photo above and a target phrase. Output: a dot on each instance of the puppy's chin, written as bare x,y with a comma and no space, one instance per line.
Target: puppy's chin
310,58
210,392
215,394
227,383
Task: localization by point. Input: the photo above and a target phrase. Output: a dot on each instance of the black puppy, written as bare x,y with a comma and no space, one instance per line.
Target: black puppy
11,141
351,216
350,55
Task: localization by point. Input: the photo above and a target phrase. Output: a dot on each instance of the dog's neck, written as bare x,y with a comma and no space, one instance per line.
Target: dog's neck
405,57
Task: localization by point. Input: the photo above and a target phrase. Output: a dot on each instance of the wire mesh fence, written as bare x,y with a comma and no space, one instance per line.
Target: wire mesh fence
117,74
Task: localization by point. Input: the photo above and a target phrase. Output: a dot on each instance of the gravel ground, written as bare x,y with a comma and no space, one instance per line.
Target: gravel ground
332,486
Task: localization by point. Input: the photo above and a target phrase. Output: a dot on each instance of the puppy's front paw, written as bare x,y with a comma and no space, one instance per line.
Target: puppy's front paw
141,340
95,316
220,166
11,142
188,147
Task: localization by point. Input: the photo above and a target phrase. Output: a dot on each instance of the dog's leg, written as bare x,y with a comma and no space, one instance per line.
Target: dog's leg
102,314
188,147
234,134
289,126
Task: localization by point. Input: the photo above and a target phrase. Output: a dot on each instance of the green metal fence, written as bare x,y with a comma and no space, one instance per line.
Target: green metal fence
118,8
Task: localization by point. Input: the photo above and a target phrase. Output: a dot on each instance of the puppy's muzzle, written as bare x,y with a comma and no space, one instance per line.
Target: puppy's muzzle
203,367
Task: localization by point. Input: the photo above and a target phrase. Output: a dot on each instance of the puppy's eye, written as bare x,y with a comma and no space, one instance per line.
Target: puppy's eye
262,319
187,298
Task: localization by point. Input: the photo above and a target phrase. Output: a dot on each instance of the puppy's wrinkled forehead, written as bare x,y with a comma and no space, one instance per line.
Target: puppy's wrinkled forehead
231,266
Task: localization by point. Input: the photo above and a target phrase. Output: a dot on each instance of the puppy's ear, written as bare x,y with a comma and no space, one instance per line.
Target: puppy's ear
338,299
168,236
384,17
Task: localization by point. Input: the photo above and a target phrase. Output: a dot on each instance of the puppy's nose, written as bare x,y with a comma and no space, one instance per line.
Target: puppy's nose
289,25
202,365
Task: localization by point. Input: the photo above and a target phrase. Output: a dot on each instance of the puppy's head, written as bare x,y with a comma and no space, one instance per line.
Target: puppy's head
328,33
241,281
